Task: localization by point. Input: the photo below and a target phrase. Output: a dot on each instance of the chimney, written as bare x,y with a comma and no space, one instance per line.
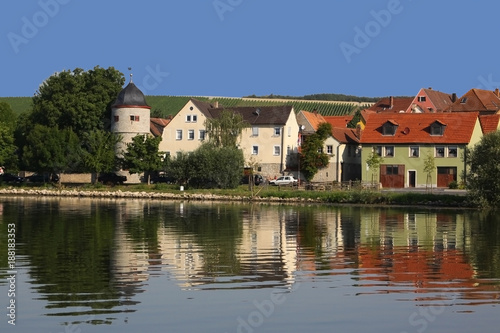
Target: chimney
391,102
358,130
315,112
497,92
453,97
216,104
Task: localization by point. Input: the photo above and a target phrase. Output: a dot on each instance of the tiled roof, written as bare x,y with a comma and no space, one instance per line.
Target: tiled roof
157,125
489,123
399,104
263,115
204,107
415,128
440,99
313,118
338,121
345,135
484,101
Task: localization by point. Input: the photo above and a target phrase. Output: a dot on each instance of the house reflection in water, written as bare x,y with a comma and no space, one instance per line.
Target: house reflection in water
229,246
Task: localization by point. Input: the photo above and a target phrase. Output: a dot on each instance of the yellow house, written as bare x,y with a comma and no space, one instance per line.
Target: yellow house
268,141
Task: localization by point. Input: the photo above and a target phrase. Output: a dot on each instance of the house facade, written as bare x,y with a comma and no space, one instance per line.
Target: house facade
340,146
268,140
406,141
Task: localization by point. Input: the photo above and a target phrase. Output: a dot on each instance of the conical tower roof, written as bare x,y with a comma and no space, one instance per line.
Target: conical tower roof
131,96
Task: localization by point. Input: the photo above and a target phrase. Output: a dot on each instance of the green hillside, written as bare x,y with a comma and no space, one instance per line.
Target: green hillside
18,104
170,105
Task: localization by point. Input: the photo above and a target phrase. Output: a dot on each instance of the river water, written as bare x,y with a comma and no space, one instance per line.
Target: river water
85,265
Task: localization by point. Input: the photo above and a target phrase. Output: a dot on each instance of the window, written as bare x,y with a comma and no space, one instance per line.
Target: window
178,135
389,128
188,118
389,151
255,150
117,118
437,128
414,151
190,134
195,118
392,170
378,150
201,135
277,150
329,149
463,100
452,151
422,98
277,131
255,131
320,150
132,117
439,151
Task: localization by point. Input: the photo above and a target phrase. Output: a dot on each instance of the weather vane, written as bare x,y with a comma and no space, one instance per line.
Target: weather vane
130,69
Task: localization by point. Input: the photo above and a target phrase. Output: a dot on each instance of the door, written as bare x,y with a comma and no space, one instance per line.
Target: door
446,175
392,176
412,178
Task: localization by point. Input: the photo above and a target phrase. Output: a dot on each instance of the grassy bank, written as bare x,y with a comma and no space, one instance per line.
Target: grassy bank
286,194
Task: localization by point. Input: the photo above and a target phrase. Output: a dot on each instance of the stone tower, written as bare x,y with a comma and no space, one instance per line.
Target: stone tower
130,116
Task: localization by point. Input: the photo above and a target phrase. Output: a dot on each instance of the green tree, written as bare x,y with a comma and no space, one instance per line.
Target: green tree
99,151
429,167
373,162
484,176
8,150
209,167
312,157
49,149
78,99
142,155
225,130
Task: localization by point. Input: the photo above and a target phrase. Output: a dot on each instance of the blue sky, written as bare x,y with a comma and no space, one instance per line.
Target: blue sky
243,47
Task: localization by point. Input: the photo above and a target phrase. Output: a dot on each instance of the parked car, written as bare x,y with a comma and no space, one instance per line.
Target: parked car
257,179
284,180
111,178
162,179
11,178
43,178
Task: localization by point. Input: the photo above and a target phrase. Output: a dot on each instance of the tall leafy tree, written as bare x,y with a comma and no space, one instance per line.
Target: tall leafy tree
99,151
225,130
49,149
142,155
79,100
312,157
484,176
8,150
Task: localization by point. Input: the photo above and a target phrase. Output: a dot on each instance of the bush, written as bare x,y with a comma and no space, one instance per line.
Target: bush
453,185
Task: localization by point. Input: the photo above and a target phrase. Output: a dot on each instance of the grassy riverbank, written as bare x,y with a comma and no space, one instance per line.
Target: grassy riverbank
242,193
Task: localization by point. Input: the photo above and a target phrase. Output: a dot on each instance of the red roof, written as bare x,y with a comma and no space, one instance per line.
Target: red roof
338,121
157,125
415,128
345,135
489,123
484,101
313,118
392,104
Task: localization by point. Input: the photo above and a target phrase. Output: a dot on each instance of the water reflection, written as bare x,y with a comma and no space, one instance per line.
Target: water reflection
90,259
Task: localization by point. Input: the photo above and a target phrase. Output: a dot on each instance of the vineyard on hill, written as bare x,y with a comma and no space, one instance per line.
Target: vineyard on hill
163,106
170,105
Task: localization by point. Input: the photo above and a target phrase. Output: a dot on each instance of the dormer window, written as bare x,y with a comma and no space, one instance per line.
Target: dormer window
437,128
389,128
463,100
422,98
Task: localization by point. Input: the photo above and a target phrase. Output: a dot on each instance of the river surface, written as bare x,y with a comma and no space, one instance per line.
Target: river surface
85,265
